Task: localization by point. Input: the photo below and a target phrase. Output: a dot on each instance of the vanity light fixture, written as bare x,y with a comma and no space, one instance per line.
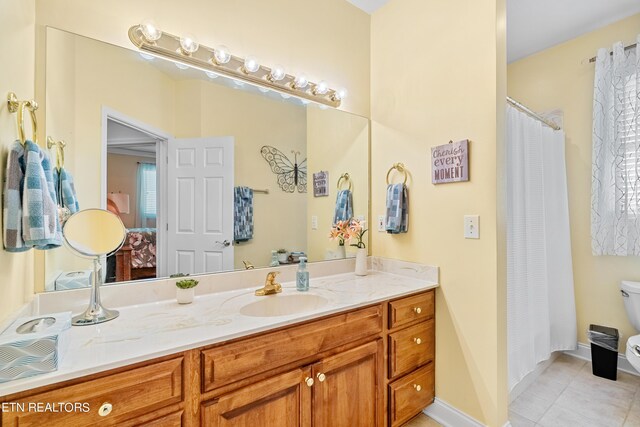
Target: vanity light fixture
185,51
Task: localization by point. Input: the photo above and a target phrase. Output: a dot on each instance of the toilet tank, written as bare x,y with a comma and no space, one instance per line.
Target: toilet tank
631,297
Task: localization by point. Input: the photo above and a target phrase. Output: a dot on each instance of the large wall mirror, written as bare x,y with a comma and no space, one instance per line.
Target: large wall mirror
206,173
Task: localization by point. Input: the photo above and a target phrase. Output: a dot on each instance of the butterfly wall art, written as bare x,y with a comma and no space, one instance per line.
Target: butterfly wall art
290,175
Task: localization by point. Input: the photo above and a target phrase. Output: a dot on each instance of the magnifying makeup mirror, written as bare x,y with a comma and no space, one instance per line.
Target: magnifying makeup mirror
94,233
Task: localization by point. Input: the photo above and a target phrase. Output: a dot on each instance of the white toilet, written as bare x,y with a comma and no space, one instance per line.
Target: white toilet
631,295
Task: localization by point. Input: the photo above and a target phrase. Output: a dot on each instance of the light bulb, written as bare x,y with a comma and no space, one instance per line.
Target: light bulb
149,31
181,65
147,56
221,54
211,74
251,64
188,44
340,94
321,88
300,82
277,73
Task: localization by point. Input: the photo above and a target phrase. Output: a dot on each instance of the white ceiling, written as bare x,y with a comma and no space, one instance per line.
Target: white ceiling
122,139
535,25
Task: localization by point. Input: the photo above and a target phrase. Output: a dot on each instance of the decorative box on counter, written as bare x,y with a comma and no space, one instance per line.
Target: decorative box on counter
33,346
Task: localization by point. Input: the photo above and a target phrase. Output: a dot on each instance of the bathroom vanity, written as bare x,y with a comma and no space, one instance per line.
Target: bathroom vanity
364,358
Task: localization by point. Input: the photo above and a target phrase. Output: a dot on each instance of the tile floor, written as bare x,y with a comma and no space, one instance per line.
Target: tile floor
566,394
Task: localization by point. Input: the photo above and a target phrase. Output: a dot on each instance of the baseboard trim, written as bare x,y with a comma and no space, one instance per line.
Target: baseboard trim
584,352
449,416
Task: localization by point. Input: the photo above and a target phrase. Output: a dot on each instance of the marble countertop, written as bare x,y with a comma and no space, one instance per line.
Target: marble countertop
151,330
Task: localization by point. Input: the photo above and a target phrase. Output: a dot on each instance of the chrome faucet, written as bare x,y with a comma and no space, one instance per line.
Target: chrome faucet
271,287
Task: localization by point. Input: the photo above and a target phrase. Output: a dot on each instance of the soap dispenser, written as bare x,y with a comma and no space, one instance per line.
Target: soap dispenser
302,276
274,259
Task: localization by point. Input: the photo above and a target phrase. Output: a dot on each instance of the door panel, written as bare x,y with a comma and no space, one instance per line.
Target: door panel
281,401
347,392
200,201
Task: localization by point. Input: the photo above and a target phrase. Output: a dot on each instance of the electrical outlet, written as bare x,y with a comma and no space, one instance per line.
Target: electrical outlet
381,223
314,222
471,226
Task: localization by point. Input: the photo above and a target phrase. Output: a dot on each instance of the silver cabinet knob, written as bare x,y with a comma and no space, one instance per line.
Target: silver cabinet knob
105,409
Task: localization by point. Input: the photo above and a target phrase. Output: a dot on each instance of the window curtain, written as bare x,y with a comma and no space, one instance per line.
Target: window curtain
541,313
146,196
615,189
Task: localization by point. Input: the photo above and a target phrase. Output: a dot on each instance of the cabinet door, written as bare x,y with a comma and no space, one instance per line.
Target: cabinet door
281,401
348,390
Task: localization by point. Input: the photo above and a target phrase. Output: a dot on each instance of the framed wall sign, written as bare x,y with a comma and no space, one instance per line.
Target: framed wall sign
450,162
321,184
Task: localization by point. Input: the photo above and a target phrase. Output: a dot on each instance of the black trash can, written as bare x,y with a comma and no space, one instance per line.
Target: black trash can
604,351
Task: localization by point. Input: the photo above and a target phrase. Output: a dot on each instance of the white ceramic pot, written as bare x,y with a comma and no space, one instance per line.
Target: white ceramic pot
342,252
185,296
361,262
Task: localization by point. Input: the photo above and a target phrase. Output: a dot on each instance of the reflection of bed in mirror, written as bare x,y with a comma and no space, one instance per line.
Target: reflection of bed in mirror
137,258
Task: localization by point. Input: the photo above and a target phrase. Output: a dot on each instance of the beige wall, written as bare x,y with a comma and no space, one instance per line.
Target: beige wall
287,32
447,87
122,177
337,143
562,78
16,75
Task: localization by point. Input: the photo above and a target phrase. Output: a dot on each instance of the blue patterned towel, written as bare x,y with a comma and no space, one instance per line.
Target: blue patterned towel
344,206
66,190
40,224
397,209
12,203
243,214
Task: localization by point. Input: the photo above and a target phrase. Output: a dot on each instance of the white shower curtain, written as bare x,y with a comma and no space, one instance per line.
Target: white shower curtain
541,315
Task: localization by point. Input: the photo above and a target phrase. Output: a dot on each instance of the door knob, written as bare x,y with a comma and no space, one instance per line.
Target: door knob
224,243
321,377
308,381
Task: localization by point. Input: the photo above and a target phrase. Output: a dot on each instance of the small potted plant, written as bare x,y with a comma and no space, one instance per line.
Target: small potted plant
340,231
283,256
356,232
185,290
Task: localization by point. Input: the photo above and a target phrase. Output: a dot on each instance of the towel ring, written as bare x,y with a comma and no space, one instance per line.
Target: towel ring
16,106
60,146
347,179
400,168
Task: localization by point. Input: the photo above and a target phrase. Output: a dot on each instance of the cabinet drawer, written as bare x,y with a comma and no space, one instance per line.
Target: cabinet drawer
411,348
242,359
130,394
411,309
411,394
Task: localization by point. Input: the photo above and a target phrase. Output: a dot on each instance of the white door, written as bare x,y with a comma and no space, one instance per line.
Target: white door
200,205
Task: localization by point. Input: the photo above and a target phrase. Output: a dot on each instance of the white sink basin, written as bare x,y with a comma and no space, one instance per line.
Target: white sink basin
282,305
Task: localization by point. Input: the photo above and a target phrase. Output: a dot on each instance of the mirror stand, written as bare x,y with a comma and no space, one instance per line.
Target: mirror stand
95,313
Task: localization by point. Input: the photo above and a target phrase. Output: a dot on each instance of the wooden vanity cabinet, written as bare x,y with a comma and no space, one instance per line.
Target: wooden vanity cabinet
357,368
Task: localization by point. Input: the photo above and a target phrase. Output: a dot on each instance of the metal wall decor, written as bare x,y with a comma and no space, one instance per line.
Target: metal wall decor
291,175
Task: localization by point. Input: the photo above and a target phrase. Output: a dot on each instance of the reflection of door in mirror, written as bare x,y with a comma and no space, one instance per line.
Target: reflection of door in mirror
200,200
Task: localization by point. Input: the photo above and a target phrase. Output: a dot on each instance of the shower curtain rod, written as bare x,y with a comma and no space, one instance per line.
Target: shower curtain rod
532,113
